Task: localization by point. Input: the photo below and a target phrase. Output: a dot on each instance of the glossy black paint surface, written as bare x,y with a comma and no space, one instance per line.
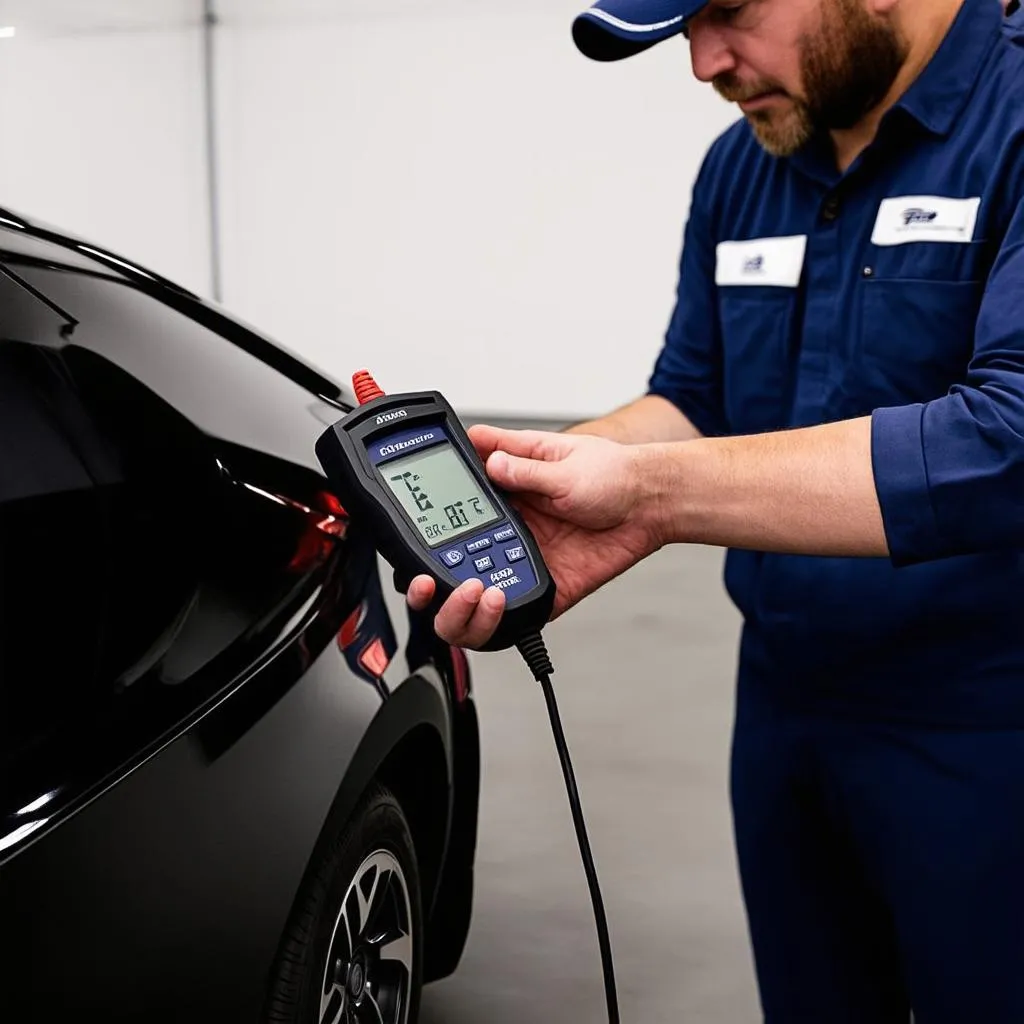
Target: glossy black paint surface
183,608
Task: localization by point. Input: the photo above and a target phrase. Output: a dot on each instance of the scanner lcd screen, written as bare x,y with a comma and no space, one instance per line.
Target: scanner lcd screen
439,494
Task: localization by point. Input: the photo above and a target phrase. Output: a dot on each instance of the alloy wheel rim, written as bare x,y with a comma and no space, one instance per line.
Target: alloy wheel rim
368,975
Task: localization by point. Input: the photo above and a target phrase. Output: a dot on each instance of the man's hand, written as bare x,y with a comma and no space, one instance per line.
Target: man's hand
579,495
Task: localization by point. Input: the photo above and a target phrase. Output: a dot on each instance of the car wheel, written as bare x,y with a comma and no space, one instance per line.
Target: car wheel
352,953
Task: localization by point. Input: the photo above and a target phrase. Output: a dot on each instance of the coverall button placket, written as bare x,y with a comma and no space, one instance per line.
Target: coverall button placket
822,313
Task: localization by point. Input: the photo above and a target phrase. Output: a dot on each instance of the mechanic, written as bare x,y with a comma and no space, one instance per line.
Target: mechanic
840,402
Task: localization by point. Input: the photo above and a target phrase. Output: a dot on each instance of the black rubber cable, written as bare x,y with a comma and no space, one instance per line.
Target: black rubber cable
535,654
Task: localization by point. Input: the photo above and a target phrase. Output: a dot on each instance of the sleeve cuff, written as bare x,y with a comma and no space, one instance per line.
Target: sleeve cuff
706,423
901,482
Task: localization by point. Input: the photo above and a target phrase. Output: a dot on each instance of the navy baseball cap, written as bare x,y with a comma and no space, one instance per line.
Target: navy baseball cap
613,29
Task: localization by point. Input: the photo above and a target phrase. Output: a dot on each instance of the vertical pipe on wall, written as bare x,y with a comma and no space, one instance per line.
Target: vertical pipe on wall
209,82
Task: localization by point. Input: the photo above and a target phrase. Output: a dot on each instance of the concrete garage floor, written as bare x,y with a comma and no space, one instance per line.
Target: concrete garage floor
644,678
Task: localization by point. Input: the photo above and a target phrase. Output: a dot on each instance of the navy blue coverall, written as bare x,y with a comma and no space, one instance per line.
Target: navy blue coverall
878,753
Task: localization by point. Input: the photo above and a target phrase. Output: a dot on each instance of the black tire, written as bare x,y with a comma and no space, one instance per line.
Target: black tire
375,839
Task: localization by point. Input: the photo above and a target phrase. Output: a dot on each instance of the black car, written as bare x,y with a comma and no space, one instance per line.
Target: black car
240,779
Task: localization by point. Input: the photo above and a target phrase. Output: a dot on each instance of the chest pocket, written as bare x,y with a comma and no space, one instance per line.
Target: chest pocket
758,291
919,305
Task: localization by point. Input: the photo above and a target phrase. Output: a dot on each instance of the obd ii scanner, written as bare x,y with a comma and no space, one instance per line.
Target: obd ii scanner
406,472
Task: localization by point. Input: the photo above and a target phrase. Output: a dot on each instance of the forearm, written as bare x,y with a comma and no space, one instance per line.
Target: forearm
808,491
647,420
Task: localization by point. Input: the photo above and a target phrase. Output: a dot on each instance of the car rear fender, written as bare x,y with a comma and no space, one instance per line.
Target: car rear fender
408,747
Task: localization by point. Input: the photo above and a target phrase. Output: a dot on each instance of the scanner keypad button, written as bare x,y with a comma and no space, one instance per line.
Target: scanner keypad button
483,564
504,534
516,553
478,545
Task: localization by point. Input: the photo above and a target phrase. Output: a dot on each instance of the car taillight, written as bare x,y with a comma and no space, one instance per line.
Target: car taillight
363,647
333,508
349,632
460,674
326,523
374,658
324,514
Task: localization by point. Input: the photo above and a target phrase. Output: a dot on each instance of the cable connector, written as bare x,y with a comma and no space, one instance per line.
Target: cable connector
365,387
535,654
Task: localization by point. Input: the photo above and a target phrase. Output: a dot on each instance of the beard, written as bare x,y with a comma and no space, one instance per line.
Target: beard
847,69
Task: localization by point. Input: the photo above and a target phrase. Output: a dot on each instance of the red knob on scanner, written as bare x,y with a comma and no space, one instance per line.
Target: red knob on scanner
365,387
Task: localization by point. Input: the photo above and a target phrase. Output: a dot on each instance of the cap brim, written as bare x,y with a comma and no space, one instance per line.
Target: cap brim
602,37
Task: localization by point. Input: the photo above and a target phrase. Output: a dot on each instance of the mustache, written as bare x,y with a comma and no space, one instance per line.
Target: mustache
730,88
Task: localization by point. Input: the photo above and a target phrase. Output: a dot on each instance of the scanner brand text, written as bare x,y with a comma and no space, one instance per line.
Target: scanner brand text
387,417
391,449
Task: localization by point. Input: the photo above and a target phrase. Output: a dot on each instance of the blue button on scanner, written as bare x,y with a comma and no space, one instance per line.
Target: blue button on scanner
478,545
483,564
453,557
507,533
514,554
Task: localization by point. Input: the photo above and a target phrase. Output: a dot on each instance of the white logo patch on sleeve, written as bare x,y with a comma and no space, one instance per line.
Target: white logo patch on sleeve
903,219
778,262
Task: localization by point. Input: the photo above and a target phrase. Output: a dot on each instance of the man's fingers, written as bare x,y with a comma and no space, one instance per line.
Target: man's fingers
518,474
471,615
485,439
420,592
529,444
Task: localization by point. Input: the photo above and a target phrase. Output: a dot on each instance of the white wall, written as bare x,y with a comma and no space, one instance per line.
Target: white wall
448,192
101,122
444,191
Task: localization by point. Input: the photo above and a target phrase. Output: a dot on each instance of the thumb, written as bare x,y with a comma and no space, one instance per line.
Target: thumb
533,475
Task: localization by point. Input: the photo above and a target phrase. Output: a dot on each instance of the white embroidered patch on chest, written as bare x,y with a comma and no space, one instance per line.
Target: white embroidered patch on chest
903,219
776,262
